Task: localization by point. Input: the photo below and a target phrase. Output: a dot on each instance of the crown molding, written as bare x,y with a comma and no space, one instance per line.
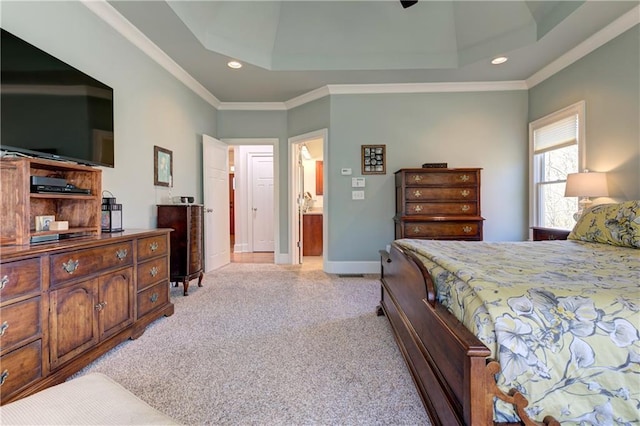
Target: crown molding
118,22
377,89
252,106
468,86
112,17
608,33
318,93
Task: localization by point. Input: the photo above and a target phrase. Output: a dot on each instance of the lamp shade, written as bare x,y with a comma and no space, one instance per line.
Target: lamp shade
586,185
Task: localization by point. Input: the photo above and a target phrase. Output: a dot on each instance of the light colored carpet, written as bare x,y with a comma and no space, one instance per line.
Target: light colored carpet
269,344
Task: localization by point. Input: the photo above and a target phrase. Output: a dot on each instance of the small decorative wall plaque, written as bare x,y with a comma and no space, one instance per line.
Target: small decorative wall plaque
373,160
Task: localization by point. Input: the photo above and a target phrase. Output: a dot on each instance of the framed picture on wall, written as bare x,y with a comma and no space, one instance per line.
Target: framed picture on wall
374,160
162,167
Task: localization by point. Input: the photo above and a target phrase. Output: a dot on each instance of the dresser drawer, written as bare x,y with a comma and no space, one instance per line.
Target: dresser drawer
441,194
19,322
19,368
441,178
152,271
152,298
152,246
442,209
19,278
443,230
68,266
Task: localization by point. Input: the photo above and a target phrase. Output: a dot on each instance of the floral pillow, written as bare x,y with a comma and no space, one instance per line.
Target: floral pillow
615,224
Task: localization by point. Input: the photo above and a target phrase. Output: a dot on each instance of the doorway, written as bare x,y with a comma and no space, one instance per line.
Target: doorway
308,212
253,200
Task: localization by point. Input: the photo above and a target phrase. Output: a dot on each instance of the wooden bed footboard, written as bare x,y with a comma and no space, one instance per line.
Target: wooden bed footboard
449,365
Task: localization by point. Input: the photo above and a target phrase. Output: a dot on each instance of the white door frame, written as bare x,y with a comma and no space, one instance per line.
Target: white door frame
292,203
278,258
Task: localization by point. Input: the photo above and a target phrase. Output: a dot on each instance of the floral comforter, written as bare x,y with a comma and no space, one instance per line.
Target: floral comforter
561,317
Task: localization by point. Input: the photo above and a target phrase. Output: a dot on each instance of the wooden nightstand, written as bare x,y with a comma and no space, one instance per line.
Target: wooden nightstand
542,234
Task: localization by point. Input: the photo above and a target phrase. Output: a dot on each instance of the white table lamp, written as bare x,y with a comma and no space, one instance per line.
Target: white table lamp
585,185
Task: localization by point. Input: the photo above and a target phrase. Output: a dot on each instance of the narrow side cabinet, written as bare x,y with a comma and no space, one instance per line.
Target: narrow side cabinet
186,262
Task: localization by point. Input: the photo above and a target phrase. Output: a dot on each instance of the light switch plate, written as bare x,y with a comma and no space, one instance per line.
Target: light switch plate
357,195
345,171
357,182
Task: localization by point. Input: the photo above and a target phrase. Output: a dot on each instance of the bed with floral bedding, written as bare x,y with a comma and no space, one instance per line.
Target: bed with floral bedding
559,319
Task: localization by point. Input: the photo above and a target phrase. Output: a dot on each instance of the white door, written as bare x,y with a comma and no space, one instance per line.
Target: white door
215,185
262,202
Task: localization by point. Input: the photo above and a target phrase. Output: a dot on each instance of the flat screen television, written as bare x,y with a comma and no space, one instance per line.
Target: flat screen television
50,109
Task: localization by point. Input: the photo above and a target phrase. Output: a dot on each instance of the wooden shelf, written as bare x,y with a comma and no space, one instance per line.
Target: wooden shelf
52,196
21,206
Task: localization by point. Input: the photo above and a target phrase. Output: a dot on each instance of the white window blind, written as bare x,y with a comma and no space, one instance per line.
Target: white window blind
556,135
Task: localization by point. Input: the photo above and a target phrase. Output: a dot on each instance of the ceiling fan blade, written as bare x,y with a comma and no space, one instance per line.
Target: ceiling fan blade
408,3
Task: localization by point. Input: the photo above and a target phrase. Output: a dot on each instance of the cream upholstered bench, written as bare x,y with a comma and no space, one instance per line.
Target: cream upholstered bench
94,399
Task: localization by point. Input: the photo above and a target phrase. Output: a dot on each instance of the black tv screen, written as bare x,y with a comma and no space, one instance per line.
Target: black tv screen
50,109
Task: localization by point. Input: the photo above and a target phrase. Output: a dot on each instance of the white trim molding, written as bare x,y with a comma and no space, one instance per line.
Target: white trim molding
608,33
471,86
112,17
129,31
360,267
252,106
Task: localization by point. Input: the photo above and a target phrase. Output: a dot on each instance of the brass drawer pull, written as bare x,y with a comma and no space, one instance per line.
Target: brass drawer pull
467,229
4,281
416,229
417,178
464,178
465,208
121,253
417,193
153,271
465,192
3,377
153,246
100,306
154,298
417,208
3,328
71,266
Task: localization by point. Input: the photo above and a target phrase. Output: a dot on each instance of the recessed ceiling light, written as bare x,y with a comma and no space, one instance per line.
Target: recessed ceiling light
234,64
499,60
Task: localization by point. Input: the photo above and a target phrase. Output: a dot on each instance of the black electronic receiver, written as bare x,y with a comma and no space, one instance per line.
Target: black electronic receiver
55,189
47,181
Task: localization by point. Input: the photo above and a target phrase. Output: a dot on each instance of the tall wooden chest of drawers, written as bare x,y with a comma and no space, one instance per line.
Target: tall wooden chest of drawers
186,261
438,204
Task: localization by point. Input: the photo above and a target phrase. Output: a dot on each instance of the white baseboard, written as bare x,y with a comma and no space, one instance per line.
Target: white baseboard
354,267
364,267
240,248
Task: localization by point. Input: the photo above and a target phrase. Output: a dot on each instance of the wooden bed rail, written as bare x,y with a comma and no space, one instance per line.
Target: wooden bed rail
450,366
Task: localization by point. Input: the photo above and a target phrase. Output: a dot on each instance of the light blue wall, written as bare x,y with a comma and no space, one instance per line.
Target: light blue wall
151,107
262,124
309,117
482,129
608,80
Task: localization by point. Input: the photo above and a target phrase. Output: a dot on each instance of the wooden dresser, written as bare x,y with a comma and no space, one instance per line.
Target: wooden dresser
186,241
439,204
65,303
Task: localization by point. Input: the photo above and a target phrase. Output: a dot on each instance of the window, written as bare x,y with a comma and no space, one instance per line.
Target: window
556,147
